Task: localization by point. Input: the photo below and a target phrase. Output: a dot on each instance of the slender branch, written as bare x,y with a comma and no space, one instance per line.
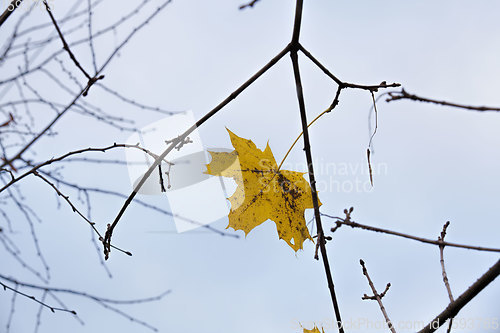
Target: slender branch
91,38
8,121
104,302
307,148
376,296
39,313
443,270
33,298
353,224
162,184
441,255
399,95
84,294
139,202
453,308
65,45
12,249
232,96
76,152
66,198
249,4
91,80
12,310
13,5
133,102
342,84
320,65
373,87
73,207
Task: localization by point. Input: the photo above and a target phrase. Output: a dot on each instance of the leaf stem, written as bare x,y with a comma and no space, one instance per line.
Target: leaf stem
301,133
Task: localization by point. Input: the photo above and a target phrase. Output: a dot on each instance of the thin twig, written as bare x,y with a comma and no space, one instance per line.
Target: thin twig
76,152
104,302
39,313
33,298
84,294
12,310
75,210
91,80
320,65
139,202
13,5
91,39
399,95
373,87
376,296
441,250
353,224
66,198
443,270
133,102
343,84
29,214
65,44
249,4
162,184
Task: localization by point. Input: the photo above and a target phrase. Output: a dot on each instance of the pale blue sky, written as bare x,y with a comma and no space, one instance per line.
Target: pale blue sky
442,164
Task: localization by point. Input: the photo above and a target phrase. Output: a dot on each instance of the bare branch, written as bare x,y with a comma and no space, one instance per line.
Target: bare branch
33,298
443,270
373,87
441,250
376,296
399,95
91,38
133,102
76,152
249,4
65,45
75,210
342,84
353,224
104,302
13,5
139,202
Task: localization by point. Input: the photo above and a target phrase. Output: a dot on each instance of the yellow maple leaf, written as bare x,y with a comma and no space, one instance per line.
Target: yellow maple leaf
263,192
314,330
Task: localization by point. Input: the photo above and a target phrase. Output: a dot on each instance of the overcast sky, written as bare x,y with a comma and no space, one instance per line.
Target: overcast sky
431,163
